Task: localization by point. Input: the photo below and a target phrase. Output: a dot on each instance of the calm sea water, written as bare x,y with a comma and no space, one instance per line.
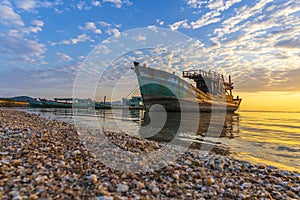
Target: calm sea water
271,138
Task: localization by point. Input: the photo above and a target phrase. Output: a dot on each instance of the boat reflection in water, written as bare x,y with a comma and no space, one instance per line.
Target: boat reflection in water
215,130
213,133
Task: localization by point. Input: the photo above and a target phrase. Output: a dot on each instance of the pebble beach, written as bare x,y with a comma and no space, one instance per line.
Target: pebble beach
46,159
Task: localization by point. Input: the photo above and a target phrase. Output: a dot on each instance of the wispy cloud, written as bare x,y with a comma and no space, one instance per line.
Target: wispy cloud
21,49
63,56
91,26
216,7
195,3
180,24
113,31
62,76
31,5
74,40
208,18
8,16
118,3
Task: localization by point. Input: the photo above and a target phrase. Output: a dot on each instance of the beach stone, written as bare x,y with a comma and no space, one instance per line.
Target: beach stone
229,185
176,176
291,194
246,185
144,192
210,180
229,193
151,185
33,196
93,178
104,198
155,191
122,188
52,162
140,185
5,153
261,167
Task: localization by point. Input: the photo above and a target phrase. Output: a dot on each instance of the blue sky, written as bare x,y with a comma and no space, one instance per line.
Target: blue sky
44,43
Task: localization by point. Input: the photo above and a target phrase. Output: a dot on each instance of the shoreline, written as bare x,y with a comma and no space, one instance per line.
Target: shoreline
42,158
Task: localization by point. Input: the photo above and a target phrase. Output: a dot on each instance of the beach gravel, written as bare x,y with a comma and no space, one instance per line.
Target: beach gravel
46,159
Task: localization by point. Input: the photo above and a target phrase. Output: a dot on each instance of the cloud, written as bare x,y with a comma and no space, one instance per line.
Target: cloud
292,43
160,22
32,78
83,5
118,3
39,23
22,49
31,5
259,46
208,18
216,7
63,56
195,3
113,31
8,16
140,38
96,3
37,26
104,24
179,24
91,26
79,38
221,5
27,5
153,28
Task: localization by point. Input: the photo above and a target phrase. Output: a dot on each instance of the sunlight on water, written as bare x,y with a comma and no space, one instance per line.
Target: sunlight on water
271,138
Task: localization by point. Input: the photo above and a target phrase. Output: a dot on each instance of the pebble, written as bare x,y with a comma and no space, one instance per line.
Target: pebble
46,159
210,180
140,185
144,192
291,194
122,188
93,178
155,191
246,185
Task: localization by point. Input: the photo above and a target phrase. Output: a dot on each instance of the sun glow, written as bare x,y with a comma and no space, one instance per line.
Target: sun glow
270,101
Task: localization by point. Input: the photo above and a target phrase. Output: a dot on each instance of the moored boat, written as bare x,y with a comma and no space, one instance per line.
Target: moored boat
102,105
35,103
175,94
62,103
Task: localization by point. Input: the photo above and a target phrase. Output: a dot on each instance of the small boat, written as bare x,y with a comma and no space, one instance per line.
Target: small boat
135,102
102,105
55,103
176,95
62,103
35,103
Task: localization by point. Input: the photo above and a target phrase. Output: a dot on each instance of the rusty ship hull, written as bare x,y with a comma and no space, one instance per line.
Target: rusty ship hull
177,95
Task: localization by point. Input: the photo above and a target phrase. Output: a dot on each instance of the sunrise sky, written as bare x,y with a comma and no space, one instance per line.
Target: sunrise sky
44,43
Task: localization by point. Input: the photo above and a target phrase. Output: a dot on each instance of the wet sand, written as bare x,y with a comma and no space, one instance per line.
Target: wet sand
41,158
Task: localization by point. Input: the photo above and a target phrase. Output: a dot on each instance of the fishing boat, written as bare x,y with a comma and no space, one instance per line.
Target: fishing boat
211,92
62,103
35,103
103,104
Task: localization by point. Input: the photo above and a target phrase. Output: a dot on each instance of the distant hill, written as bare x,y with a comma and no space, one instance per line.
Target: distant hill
22,98
18,98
